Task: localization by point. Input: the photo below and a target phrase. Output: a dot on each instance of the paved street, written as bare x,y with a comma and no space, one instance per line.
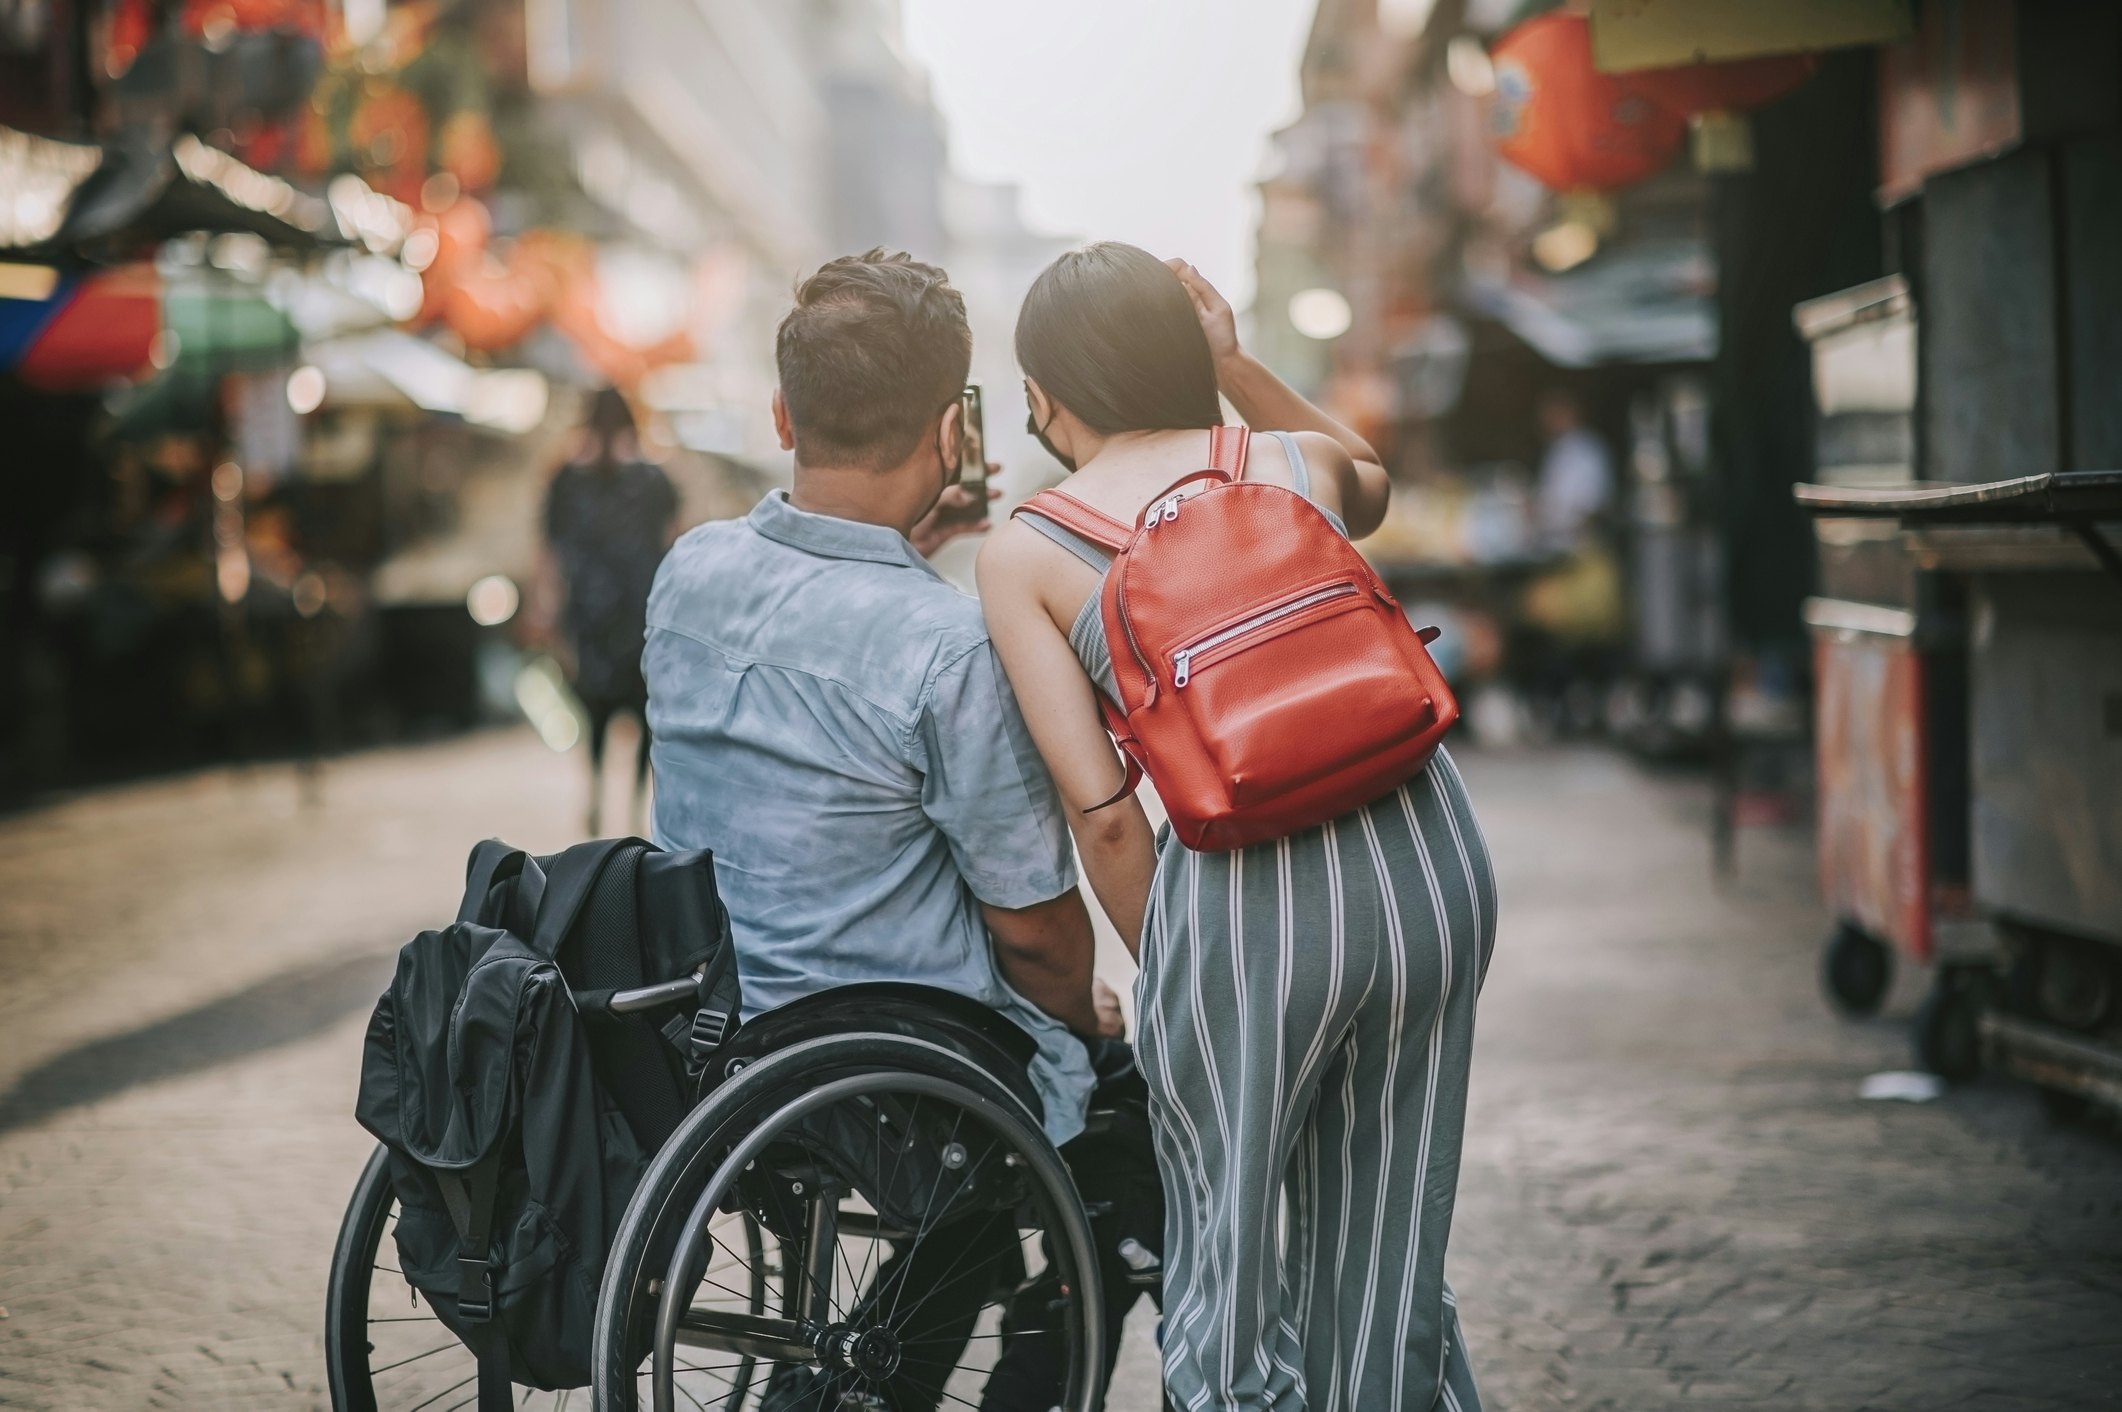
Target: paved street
1672,1196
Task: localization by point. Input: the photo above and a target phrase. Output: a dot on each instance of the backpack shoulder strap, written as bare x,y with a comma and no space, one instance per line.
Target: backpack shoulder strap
1226,450
492,862
1086,521
567,888
1300,475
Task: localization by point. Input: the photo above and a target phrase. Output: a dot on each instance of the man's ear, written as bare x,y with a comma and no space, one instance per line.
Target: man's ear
949,430
783,428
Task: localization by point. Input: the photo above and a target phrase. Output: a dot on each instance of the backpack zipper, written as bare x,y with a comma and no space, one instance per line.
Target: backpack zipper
1183,659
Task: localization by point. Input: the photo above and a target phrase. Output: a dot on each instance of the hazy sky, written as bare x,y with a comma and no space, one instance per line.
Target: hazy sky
1138,120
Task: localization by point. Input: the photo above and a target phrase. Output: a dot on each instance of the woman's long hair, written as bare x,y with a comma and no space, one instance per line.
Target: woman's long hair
1109,333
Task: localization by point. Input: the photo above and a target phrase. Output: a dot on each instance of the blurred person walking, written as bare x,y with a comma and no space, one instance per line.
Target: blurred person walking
1576,486
1306,1003
609,517
1572,615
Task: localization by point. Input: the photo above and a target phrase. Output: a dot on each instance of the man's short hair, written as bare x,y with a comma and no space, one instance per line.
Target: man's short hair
876,347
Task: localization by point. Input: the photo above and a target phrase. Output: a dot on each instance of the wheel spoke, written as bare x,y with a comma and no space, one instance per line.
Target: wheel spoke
913,1126
953,1397
956,1260
444,1393
923,1226
439,1348
1006,1333
732,1293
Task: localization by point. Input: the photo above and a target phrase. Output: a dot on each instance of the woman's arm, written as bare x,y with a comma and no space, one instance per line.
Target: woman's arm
1061,708
1269,404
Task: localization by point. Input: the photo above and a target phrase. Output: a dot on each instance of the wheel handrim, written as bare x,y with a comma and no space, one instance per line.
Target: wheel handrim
851,1352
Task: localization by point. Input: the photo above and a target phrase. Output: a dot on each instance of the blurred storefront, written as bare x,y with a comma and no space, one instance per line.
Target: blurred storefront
1471,223
298,299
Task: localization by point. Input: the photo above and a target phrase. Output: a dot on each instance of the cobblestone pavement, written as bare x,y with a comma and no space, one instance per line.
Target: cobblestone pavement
1671,1197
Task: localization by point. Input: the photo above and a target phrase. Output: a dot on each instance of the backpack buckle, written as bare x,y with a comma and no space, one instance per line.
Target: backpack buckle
475,1290
711,1030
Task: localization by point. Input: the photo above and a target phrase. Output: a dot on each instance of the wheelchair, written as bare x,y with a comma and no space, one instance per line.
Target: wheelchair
858,1207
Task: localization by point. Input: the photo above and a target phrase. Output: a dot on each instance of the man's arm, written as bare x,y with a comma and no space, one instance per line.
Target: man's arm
1060,708
987,790
1045,954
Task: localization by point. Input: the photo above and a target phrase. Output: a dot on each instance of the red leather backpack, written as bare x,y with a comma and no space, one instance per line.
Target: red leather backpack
1268,682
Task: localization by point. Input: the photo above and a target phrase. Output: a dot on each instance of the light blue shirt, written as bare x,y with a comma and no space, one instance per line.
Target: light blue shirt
831,719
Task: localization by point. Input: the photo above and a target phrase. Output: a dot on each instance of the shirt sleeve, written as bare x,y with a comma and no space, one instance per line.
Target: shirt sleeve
986,788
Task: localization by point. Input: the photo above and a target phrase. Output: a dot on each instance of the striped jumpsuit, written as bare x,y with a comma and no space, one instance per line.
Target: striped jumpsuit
1307,1019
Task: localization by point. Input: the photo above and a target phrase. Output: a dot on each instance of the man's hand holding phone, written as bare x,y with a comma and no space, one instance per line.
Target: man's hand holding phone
959,511
962,508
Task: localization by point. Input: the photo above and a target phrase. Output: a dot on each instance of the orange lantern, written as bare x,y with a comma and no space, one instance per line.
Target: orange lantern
461,230
127,32
1570,126
491,306
468,150
388,132
1736,86
202,17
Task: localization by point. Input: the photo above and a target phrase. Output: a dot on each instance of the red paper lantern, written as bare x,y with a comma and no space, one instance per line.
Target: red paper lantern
1737,86
1570,126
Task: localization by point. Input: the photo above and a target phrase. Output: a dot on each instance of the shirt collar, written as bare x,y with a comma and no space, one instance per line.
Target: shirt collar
833,537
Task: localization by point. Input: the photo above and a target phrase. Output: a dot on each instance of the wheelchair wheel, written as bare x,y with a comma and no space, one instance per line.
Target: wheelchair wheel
925,1242
384,1351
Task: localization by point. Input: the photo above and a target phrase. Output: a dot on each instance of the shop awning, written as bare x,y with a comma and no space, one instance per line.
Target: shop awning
1646,302
1642,34
56,198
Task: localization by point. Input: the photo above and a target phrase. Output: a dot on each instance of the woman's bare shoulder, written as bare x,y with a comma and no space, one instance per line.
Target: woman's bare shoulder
1326,462
1023,571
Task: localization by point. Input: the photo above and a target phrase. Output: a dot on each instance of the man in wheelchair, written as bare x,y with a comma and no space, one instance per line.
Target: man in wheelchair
831,720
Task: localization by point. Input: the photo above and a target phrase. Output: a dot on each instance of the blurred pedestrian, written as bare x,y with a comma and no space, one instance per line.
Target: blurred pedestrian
609,516
1572,615
1576,473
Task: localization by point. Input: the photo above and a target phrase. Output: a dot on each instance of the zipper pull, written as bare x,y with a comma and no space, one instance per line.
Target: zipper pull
1182,668
1171,509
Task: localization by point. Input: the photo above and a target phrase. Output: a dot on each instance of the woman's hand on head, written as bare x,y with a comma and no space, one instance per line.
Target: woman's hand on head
1212,309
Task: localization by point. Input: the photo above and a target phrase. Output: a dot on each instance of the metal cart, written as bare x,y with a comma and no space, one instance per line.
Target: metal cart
2032,983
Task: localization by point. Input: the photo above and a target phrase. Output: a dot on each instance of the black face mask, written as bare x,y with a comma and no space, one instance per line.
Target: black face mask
1031,424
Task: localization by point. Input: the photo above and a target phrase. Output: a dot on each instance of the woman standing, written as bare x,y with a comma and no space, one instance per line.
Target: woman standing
1307,1004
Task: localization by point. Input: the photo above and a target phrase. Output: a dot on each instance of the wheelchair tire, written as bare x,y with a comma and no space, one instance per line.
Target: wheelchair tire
652,1263
383,1350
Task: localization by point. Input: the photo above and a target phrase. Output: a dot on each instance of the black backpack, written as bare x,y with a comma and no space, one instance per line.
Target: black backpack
519,1108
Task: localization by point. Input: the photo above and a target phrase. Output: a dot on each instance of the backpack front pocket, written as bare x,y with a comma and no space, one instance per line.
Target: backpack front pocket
1342,690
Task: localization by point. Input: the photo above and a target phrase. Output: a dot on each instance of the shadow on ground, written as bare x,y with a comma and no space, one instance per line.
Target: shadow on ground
281,1009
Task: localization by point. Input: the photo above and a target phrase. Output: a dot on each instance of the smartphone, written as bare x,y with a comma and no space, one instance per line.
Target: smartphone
972,456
